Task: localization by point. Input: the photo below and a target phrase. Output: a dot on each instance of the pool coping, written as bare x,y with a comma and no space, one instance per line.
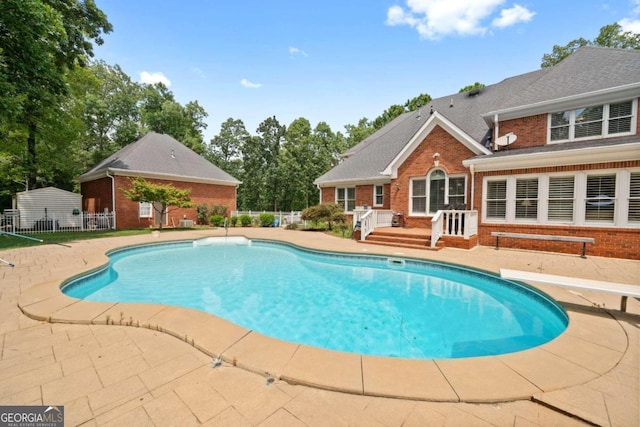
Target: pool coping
591,346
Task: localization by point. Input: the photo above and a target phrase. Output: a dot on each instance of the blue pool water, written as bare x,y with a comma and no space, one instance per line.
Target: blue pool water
354,303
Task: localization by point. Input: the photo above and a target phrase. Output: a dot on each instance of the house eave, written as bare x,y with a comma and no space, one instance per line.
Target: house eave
353,182
153,175
582,156
567,103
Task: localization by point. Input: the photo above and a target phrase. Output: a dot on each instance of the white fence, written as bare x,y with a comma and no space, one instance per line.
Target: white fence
14,221
284,218
370,219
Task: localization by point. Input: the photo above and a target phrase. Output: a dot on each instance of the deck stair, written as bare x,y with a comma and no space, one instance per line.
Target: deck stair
414,238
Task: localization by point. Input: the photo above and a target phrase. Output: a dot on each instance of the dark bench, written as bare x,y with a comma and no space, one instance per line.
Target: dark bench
583,240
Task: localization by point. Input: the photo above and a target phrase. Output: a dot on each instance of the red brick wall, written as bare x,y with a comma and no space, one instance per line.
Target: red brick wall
98,194
328,195
610,242
420,162
531,131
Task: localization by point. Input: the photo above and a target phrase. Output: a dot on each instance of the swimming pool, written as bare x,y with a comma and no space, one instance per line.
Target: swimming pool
362,304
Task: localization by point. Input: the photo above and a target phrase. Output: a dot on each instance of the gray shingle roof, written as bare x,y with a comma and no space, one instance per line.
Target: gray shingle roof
159,154
587,70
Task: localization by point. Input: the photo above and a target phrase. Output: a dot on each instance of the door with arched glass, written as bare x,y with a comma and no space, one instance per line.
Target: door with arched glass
437,185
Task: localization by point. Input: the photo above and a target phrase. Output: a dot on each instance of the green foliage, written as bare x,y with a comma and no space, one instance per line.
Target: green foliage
245,220
233,221
202,213
216,220
325,212
267,219
292,226
157,194
219,210
609,36
469,88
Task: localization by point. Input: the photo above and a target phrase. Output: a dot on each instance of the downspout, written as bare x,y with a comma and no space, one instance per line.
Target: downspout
472,168
496,131
113,198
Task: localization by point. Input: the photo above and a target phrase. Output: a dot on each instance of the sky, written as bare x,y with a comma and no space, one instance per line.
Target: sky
337,61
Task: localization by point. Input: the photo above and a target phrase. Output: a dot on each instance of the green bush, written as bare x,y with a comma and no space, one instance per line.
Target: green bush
202,212
218,210
292,226
245,220
329,213
216,220
267,219
233,221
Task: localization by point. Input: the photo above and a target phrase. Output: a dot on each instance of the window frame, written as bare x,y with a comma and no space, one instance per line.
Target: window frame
145,210
345,202
377,195
427,188
605,122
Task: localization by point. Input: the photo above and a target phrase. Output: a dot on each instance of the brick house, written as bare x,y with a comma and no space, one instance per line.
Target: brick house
554,152
159,159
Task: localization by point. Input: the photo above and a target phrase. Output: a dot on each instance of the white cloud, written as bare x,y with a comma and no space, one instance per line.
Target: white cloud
434,19
153,78
296,51
632,25
251,85
509,17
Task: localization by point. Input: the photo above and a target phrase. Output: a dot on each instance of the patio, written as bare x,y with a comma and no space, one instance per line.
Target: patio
121,374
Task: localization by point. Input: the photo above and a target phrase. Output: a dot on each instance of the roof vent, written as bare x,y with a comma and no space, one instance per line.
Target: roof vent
173,155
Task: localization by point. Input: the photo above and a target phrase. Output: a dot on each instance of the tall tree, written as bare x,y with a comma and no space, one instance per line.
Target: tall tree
610,36
469,88
359,132
41,40
225,149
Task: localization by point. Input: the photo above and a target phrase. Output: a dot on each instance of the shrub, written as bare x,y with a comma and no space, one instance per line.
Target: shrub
326,212
233,221
267,219
202,212
218,210
245,220
292,226
216,220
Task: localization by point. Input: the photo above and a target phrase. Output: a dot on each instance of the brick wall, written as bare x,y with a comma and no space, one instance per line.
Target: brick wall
97,194
531,131
420,163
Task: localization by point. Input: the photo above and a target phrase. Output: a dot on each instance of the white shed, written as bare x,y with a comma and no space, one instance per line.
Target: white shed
44,207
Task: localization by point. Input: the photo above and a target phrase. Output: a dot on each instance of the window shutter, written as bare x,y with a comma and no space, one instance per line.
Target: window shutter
620,117
561,198
527,198
634,198
600,202
497,199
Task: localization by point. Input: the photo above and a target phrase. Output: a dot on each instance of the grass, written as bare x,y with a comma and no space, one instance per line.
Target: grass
12,242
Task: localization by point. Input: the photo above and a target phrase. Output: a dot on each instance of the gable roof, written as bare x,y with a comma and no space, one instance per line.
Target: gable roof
592,73
160,156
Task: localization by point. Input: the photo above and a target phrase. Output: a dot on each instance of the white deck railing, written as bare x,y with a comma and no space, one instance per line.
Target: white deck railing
453,223
370,219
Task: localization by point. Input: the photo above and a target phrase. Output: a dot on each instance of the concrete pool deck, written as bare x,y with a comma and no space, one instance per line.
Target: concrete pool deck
62,350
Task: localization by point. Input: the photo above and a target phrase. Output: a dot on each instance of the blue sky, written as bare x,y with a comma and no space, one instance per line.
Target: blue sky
338,61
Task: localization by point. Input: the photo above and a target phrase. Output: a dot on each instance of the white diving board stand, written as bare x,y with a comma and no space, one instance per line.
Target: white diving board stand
621,289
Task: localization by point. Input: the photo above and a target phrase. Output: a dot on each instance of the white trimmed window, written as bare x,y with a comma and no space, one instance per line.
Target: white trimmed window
561,198
600,202
346,197
496,199
378,195
596,121
527,199
588,198
437,191
634,198
145,210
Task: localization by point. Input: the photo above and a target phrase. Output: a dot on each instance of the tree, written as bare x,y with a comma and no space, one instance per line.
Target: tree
359,132
41,40
325,212
157,194
469,88
610,36
417,102
225,149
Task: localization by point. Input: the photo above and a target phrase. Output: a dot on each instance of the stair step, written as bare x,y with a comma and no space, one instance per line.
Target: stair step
401,245
410,240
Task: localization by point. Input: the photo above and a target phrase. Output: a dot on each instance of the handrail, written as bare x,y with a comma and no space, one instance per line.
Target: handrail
436,228
367,224
461,223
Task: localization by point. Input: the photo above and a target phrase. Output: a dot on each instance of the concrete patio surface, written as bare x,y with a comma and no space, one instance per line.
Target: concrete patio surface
151,365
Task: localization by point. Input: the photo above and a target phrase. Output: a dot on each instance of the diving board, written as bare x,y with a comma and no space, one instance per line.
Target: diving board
621,289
